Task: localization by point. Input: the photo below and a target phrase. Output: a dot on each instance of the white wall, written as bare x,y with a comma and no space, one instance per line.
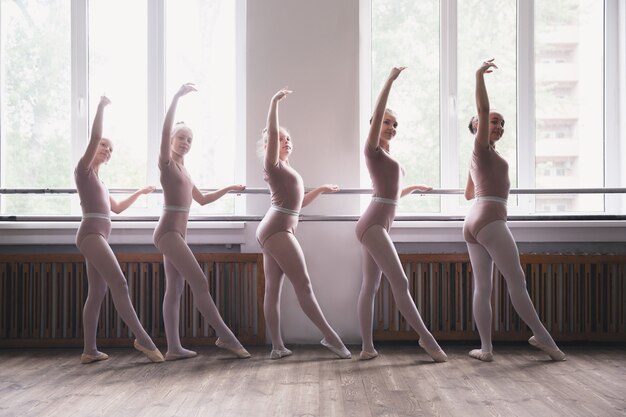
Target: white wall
312,47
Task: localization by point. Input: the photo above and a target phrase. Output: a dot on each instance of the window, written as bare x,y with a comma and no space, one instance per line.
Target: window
117,66
200,39
400,41
35,104
54,70
551,86
569,95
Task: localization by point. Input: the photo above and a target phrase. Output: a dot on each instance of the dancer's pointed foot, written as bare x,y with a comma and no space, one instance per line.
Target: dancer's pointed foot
434,352
182,353
555,353
240,351
341,351
481,356
86,358
154,355
366,355
280,353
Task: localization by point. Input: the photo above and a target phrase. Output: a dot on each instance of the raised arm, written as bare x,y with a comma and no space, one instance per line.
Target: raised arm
314,193
418,187
272,151
168,123
482,102
96,134
207,198
376,123
119,206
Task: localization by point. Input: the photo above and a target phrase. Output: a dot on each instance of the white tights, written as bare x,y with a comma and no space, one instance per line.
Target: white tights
282,255
496,244
103,271
180,265
380,256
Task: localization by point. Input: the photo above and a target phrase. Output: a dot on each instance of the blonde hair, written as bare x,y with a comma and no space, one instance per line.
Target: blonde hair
178,127
262,142
387,110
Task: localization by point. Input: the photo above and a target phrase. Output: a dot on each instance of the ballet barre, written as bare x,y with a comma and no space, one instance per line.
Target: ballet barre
437,191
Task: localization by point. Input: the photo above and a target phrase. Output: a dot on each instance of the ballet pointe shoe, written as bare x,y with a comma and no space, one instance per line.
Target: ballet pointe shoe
171,356
154,355
86,358
280,353
438,354
555,354
240,352
342,351
366,355
481,356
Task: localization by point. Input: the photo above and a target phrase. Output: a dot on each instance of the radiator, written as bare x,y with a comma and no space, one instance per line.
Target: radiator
577,297
42,297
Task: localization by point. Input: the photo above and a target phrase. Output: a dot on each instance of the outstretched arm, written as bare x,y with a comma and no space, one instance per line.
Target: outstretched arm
168,122
482,102
207,198
119,206
96,134
373,136
272,151
418,187
314,193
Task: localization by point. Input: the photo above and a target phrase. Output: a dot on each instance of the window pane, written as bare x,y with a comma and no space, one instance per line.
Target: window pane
118,68
35,89
200,48
406,33
494,37
569,102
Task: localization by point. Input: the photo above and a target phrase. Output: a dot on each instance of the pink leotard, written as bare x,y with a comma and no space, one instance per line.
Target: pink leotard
385,173
287,189
177,194
490,173
95,204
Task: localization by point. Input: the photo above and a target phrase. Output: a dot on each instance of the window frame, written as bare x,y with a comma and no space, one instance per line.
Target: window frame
156,101
613,75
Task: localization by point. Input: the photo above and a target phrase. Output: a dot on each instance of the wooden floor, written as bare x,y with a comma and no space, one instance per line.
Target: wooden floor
402,381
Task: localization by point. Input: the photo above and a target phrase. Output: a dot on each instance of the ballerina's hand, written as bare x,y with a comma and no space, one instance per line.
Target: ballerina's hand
282,93
329,188
395,72
186,89
147,189
237,187
104,101
485,67
422,188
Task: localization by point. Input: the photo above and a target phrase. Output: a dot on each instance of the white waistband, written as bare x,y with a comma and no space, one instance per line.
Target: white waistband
382,200
494,199
176,208
96,216
285,210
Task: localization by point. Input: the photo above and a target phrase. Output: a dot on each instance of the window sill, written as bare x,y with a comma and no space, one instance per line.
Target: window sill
233,232
124,233
523,230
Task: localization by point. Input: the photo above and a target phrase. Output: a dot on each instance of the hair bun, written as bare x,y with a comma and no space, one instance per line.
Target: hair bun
471,126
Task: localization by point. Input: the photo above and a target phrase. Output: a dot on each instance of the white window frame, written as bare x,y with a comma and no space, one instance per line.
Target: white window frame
614,106
156,101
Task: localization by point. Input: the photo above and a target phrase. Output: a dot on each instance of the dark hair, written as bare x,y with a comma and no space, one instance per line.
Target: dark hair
473,129
471,126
